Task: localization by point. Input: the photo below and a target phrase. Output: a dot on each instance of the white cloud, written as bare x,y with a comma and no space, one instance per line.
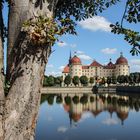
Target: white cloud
50,66
85,116
109,50
62,129
79,52
73,45
110,121
61,68
65,44
49,118
97,23
84,57
135,65
62,44
53,73
135,62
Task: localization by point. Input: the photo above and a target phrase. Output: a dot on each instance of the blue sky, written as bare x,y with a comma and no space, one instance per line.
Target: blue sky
94,41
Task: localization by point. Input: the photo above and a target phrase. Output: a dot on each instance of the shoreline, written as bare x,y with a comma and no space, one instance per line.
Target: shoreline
118,89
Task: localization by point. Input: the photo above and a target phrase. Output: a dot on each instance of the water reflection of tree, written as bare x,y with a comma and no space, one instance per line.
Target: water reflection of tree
59,99
77,104
68,100
50,99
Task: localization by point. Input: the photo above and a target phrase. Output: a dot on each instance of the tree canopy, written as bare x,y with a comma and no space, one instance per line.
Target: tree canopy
67,12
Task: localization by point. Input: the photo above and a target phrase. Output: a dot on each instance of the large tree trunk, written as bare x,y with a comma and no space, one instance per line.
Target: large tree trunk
23,99
1,77
26,65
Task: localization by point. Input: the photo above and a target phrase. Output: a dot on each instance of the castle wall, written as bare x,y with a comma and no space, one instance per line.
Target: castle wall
122,70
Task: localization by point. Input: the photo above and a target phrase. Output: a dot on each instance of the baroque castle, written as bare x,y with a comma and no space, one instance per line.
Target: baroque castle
95,69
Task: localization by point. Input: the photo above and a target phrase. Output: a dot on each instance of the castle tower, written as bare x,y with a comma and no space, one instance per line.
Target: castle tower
122,67
75,66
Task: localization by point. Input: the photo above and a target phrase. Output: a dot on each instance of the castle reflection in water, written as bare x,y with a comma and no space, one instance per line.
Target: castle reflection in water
77,104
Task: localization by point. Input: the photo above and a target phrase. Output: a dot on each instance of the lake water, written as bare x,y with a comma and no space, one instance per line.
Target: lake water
88,117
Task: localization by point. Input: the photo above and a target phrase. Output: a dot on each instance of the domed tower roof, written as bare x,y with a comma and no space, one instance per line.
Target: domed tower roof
121,60
76,117
122,116
66,69
75,60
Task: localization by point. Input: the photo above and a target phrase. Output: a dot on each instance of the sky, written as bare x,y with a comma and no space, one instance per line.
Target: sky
93,42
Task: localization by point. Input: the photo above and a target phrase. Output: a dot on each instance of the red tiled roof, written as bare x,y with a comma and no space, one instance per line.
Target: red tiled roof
66,107
66,69
75,60
95,64
121,60
110,65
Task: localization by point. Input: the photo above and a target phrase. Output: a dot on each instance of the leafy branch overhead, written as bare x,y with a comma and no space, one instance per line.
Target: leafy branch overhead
132,37
66,12
45,31
132,15
83,9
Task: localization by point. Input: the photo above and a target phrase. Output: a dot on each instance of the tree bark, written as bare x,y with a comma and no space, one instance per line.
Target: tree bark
19,12
22,102
26,65
1,77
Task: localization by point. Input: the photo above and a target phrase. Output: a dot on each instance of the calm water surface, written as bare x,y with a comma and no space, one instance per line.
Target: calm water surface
88,117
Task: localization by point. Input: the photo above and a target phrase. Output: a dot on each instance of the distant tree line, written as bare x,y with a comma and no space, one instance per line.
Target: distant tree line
132,79
50,81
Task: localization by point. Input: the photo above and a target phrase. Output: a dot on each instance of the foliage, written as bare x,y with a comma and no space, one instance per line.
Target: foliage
75,80
50,99
59,99
121,79
126,79
48,81
43,98
91,80
108,80
75,99
84,9
84,80
84,99
91,99
68,100
67,80
52,81
132,37
80,10
113,79
103,81
132,15
58,80
45,31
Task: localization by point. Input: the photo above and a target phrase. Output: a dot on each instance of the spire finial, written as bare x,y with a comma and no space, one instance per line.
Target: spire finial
70,58
75,53
121,54
70,54
110,59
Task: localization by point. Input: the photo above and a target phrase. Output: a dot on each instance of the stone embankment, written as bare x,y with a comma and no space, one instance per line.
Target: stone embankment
107,90
66,90
111,89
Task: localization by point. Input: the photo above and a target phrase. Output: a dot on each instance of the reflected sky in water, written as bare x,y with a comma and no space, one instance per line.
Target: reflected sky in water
88,117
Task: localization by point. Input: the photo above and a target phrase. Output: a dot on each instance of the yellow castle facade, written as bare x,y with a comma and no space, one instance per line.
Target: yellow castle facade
95,69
